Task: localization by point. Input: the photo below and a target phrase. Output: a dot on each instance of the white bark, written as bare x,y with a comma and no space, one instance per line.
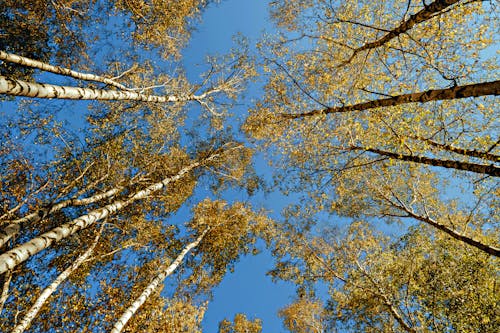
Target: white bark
20,253
35,216
40,301
43,90
8,232
14,58
132,309
5,289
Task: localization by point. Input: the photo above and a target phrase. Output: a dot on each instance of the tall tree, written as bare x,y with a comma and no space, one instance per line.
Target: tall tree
420,281
41,30
126,171
40,301
222,234
20,253
387,110
60,29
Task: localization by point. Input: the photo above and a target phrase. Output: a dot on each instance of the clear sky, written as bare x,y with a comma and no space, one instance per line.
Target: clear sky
248,289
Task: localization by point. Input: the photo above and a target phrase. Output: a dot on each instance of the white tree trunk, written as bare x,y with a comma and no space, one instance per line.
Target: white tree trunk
132,309
8,232
20,253
13,228
22,88
40,301
14,58
35,216
5,289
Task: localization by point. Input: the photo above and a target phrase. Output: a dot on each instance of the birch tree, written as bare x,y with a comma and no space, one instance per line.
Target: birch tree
125,170
222,234
41,29
138,232
416,282
32,312
20,253
157,281
373,100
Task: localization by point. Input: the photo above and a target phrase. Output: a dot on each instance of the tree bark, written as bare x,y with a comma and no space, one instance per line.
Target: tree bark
5,289
13,228
8,232
37,216
23,61
462,151
139,301
15,87
20,253
492,250
491,169
457,92
40,301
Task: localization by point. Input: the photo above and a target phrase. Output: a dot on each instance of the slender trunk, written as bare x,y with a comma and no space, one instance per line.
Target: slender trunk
23,61
399,204
40,301
457,92
20,253
13,228
132,309
461,151
8,232
37,216
491,169
425,14
494,251
15,87
5,289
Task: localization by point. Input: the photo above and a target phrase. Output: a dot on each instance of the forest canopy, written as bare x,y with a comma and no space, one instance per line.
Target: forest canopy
354,142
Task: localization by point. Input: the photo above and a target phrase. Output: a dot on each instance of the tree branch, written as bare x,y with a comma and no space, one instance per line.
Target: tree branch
428,12
491,169
456,92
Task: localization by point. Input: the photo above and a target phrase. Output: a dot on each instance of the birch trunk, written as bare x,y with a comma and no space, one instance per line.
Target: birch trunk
43,90
13,228
8,232
35,216
40,301
132,309
5,290
492,250
23,61
20,253
491,169
462,151
457,92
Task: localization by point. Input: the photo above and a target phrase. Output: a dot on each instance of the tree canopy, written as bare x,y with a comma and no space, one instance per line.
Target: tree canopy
129,190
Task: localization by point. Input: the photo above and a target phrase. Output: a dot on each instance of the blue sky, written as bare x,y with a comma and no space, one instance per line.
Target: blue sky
248,289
